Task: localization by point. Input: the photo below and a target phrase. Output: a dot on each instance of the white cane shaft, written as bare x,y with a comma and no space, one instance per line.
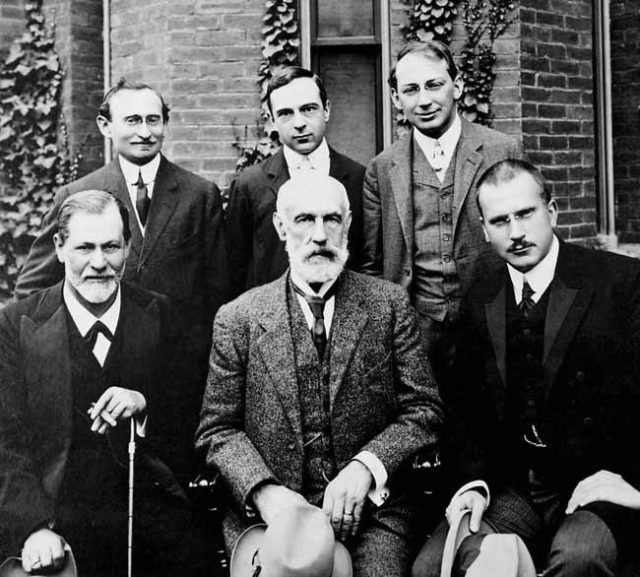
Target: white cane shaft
132,450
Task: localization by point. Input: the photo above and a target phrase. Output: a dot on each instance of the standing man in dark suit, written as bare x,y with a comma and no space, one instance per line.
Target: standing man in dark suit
319,391
77,361
545,434
175,218
299,109
421,223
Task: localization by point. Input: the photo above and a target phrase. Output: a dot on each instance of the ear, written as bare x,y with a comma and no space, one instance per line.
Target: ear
58,243
396,100
327,110
347,223
484,230
278,223
552,208
104,126
458,87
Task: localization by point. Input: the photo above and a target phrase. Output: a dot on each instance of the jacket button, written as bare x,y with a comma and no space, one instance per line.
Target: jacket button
580,375
588,421
291,446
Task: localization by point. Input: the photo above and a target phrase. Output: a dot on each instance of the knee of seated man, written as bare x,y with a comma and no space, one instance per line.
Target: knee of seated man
583,540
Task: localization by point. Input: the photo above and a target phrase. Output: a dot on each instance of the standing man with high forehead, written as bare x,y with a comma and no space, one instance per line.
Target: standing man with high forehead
319,391
175,218
421,224
545,440
78,360
300,109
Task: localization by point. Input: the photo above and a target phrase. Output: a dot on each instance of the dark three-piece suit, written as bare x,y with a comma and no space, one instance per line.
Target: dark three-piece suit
54,470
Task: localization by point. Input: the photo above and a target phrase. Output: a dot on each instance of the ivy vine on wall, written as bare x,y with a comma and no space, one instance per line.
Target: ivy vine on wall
34,150
484,21
280,47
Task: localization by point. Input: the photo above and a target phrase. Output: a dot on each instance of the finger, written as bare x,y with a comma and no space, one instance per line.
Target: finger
119,411
57,554
46,560
336,514
357,516
101,404
477,509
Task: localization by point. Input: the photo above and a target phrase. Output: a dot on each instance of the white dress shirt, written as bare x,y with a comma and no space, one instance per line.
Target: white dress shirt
379,493
448,142
318,160
132,171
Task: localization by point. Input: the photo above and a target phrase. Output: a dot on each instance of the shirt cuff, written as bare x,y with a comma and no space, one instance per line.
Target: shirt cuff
477,485
379,493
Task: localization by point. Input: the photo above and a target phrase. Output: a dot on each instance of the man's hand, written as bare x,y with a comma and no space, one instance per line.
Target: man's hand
344,498
43,549
475,501
114,405
604,486
270,499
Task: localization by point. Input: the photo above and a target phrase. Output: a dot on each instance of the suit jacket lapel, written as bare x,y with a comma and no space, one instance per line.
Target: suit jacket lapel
277,172
276,349
349,320
468,161
496,315
163,204
45,343
400,179
568,301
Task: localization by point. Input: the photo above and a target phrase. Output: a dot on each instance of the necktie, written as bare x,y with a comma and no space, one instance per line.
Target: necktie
100,348
437,161
142,199
316,304
527,302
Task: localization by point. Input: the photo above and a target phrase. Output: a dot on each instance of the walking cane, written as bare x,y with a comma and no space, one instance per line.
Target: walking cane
132,451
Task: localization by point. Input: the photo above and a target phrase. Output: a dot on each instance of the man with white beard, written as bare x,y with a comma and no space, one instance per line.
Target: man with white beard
319,392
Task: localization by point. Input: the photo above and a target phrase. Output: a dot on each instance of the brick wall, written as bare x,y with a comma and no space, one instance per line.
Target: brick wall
11,23
625,62
203,56
557,105
78,36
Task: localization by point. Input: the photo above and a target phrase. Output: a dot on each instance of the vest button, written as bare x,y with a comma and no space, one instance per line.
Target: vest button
526,332
445,237
528,357
446,218
291,446
446,258
588,421
580,375
444,195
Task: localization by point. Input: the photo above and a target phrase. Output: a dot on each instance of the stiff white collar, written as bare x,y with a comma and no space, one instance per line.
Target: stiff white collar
448,141
149,172
539,277
83,319
316,160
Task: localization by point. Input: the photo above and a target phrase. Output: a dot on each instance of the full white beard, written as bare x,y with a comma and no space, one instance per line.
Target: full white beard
97,292
317,269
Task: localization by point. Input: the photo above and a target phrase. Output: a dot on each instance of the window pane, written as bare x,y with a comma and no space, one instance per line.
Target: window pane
350,79
343,18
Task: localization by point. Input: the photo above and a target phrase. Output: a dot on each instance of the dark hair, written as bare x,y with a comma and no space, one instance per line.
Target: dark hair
92,202
429,49
287,74
505,171
124,84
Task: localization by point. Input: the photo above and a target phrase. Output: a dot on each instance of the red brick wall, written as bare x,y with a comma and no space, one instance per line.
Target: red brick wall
557,105
625,62
78,36
203,56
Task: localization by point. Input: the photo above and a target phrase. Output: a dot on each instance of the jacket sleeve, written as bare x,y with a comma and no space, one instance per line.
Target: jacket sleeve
239,230
372,223
217,270
418,419
220,435
23,504
42,268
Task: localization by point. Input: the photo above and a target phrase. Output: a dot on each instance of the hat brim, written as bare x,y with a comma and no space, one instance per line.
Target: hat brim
241,563
12,567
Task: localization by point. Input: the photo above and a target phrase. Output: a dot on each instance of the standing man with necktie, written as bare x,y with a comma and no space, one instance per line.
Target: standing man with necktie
422,227
319,391
175,219
544,436
300,109
77,361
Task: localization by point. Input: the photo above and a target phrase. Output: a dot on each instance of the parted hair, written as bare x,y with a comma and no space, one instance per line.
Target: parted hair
428,49
287,74
124,84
